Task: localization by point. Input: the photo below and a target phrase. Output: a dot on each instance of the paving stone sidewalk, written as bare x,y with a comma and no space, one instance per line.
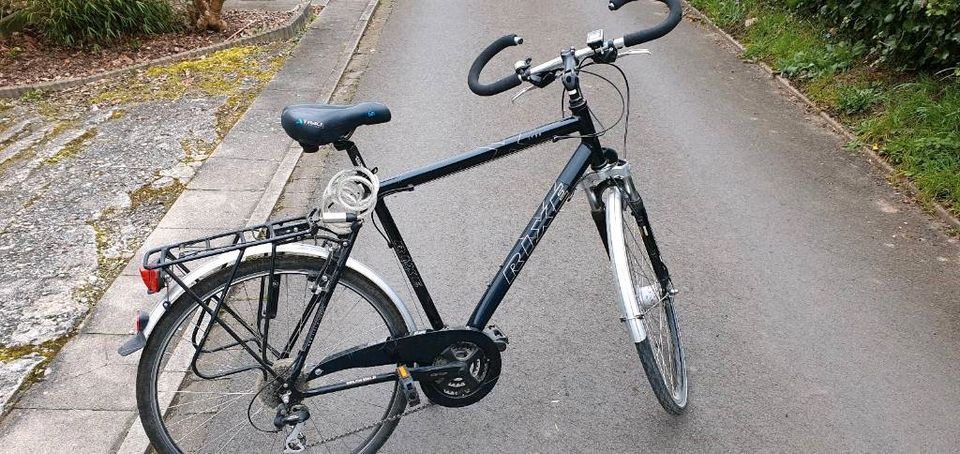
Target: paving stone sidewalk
86,402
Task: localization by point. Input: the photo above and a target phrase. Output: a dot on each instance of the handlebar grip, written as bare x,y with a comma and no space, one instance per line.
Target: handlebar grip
650,34
502,85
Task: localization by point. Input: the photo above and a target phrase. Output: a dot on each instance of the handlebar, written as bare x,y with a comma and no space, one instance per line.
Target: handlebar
525,73
502,85
650,34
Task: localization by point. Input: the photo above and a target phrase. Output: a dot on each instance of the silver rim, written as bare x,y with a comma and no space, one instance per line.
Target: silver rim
202,415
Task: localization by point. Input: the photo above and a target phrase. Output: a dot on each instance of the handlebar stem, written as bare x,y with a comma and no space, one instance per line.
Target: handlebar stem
570,79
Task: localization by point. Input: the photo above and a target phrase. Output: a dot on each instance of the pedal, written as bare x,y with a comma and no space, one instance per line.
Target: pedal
498,337
406,385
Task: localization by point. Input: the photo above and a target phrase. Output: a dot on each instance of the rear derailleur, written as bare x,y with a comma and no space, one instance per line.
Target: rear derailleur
292,419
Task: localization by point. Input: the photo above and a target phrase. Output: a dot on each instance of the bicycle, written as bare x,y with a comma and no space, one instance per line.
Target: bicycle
234,342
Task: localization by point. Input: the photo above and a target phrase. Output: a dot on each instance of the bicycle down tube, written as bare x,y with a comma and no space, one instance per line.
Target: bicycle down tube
558,195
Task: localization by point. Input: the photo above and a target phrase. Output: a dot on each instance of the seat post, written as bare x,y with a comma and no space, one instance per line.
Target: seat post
352,151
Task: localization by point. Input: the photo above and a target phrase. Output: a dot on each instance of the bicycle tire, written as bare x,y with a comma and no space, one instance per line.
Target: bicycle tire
149,403
631,246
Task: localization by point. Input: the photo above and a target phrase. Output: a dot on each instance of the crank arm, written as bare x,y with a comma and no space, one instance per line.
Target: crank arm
430,373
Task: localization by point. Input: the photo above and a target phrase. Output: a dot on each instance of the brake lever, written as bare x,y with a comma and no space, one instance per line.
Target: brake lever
635,52
536,81
521,93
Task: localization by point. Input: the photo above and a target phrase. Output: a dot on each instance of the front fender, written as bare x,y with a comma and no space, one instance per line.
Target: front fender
220,262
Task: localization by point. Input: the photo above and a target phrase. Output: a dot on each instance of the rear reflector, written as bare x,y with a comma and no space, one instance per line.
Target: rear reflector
139,339
151,278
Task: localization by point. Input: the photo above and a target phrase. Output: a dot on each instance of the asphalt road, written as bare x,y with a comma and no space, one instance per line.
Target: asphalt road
819,312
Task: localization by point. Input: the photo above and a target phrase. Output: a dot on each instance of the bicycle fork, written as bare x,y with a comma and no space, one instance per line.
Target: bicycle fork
615,176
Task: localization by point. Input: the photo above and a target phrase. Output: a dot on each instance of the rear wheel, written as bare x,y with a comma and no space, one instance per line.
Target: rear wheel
646,299
201,406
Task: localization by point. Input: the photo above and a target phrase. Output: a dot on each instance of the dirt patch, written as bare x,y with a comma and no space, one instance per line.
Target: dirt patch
87,172
25,60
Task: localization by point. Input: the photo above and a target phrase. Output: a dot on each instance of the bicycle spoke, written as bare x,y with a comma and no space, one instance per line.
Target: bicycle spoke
655,319
204,415
220,408
218,396
235,433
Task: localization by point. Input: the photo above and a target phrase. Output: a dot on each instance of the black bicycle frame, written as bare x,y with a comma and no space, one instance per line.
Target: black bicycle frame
587,153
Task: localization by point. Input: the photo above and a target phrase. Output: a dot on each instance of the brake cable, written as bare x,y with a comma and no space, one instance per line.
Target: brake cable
624,106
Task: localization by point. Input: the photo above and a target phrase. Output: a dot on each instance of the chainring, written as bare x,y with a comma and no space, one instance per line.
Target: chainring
480,376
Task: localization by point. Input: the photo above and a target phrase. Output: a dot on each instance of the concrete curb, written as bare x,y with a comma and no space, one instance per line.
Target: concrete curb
88,393
286,31
135,441
889,171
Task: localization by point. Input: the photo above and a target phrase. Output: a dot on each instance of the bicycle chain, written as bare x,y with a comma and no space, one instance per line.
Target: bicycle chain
374,424
357,430
371,425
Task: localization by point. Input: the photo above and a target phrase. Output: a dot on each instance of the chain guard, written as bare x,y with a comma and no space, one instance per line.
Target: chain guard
483,363
437,343
425,349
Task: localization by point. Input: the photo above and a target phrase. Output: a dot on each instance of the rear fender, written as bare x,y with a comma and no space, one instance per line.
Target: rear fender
220,262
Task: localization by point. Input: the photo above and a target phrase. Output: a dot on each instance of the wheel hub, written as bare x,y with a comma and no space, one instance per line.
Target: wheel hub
272,388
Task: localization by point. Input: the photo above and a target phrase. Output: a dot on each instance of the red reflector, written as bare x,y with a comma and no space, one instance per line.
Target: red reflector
141,322
151,278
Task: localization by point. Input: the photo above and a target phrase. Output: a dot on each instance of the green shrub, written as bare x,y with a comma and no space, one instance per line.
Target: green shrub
771,36
853,100
727,14
81,22
918,129
821,61
910,34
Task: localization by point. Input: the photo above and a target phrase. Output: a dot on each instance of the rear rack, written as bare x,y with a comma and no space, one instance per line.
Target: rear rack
276,233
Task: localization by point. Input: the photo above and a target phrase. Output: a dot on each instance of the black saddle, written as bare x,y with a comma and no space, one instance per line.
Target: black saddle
313,125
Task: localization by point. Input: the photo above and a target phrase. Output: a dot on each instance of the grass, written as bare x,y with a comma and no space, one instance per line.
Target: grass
237,73
911,119
46,351
918,130
72,148
148,194
220,74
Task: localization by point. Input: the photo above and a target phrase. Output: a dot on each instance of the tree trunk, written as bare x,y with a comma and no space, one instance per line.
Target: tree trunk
208,15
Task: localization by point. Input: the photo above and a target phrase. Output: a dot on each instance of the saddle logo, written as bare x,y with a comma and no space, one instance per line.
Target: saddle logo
315,124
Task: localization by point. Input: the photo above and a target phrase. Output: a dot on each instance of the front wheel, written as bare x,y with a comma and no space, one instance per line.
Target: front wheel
646,298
